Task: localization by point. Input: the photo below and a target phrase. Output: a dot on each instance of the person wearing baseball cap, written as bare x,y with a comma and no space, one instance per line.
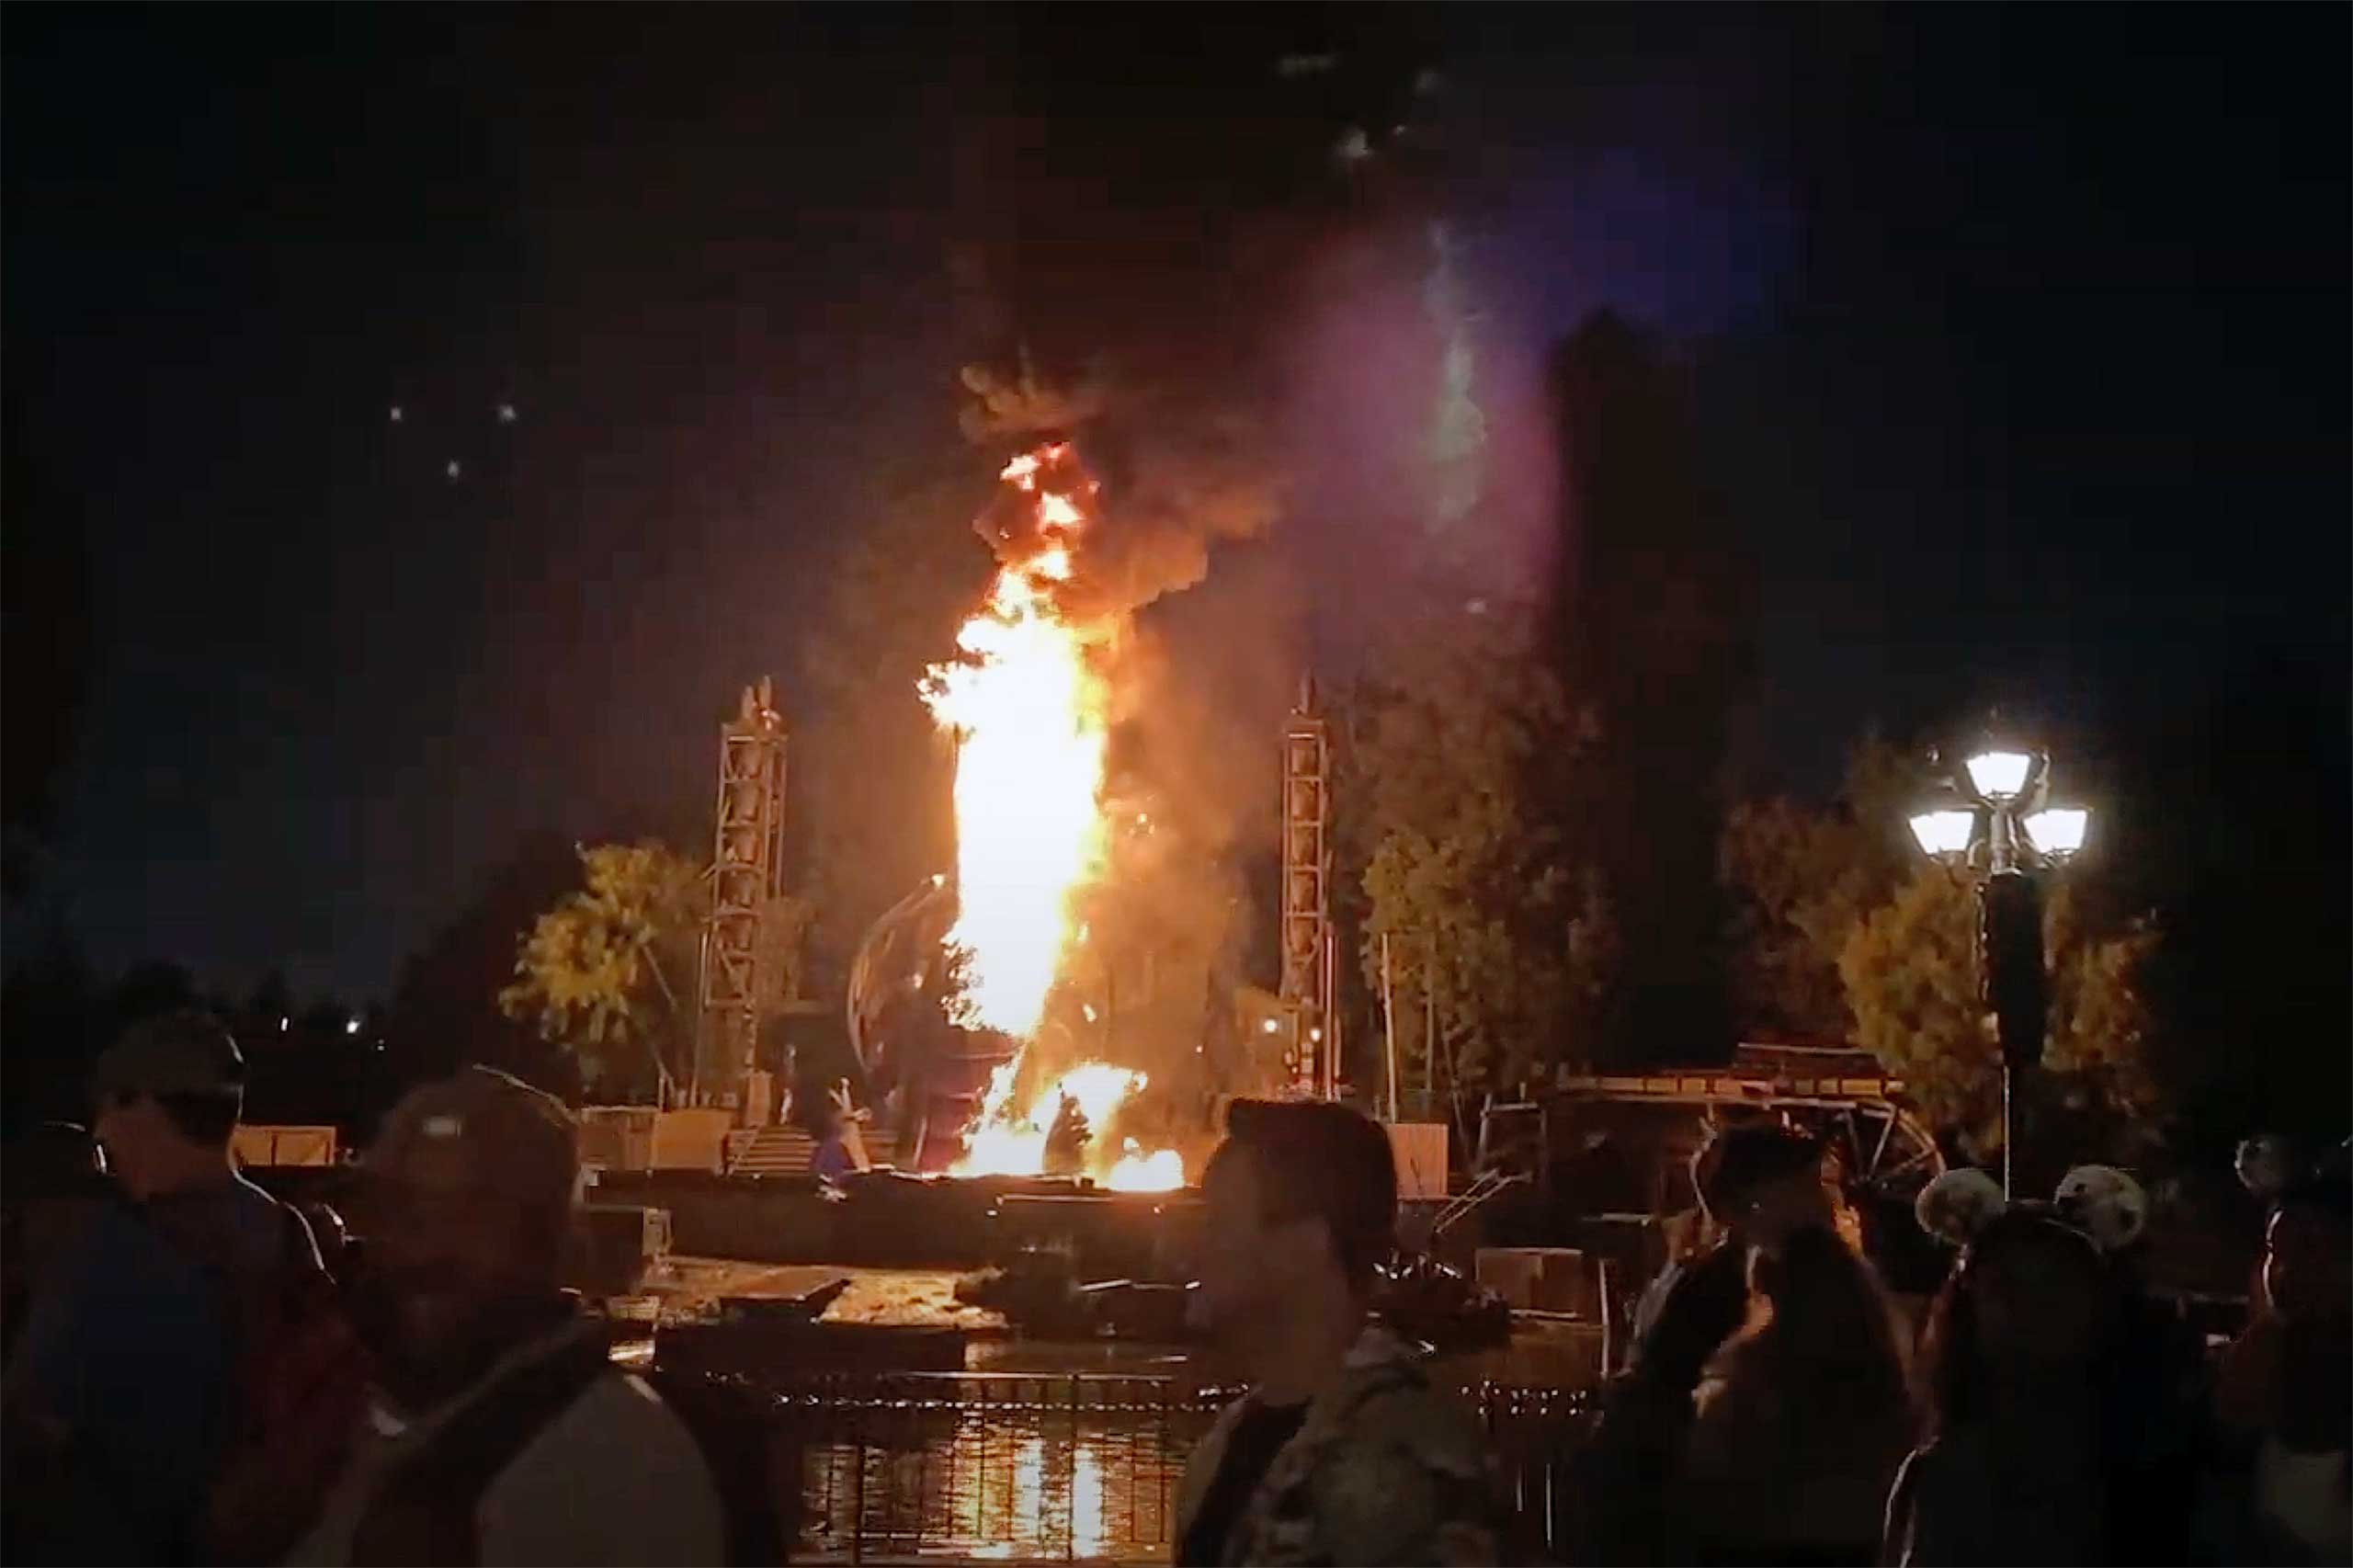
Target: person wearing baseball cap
128,1364
1757,1182
1342,1451
500,1431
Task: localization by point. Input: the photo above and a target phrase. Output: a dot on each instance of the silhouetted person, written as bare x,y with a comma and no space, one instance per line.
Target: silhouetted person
500,1432
1066,1139
2018,1467
128,1379
1759,1183
830,1160
2283,1398
1803,1416
1342,1451
55,1183
2155,1375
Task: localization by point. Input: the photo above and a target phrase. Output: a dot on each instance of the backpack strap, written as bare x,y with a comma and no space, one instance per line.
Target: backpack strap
426,1508
745,1454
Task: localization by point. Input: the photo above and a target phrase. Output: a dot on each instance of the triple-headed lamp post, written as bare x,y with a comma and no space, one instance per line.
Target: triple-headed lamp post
2000,825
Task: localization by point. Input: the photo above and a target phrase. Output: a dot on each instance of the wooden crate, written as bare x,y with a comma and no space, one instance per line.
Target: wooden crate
687,1140
1419,1148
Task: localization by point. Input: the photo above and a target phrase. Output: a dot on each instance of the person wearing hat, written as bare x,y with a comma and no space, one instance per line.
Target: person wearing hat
499,1430
1342,1451
128,1358
1758,1182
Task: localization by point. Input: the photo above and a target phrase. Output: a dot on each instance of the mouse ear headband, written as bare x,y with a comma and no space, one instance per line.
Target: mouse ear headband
1959,1204
2104,1203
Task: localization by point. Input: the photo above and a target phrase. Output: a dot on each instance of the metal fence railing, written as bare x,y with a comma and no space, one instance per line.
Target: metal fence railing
1059,1465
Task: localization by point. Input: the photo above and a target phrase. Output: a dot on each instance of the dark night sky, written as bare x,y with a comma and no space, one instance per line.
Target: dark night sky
2038,315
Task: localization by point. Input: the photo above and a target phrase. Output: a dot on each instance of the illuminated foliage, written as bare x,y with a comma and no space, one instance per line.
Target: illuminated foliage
1802,878
1843,937
1468,752
608,973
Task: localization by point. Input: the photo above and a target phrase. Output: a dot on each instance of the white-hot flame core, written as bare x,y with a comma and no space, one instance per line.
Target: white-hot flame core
1011,1143
1160,1171
1027,711
1027,715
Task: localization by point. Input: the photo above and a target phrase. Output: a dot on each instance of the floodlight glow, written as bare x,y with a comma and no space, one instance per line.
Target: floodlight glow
1998,774
2058,831
1944,831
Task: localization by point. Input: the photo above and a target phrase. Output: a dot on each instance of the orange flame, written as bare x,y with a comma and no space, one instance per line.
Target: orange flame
1029,712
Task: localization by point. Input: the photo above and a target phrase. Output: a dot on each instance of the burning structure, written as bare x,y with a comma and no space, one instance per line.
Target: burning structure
1029,702
1093,717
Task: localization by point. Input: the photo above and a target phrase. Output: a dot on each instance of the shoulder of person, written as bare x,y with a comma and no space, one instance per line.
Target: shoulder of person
281,1234
1406,1439
618,1411
119,1262
1409,1483
1202,1464
616,1477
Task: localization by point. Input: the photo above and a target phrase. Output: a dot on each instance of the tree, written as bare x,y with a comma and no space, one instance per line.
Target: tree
444,1011
1468,752
52,1013
1909,971
1802,879
1842,934
608,973
1655,615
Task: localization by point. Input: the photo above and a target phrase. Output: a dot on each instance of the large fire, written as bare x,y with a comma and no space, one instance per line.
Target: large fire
1029,712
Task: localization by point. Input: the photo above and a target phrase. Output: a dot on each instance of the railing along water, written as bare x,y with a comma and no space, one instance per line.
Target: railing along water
1069,1466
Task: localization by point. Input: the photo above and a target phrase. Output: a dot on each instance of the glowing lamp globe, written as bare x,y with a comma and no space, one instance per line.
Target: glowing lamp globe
1999,775
1944,833
2058,831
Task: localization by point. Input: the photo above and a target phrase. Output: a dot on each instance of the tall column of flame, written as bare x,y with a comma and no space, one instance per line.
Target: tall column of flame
1028,715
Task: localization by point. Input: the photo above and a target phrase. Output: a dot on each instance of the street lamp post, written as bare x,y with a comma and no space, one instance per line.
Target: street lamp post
2000,827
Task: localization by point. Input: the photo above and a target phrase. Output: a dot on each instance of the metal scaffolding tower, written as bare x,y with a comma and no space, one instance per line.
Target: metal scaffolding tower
746,878
1308,956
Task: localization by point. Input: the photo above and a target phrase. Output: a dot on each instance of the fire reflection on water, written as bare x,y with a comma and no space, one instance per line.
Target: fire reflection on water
1013,1484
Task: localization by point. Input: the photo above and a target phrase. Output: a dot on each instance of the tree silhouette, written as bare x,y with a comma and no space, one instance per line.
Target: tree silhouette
872,772
52,1015
1651,623
1801,879
44,668
443,1010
